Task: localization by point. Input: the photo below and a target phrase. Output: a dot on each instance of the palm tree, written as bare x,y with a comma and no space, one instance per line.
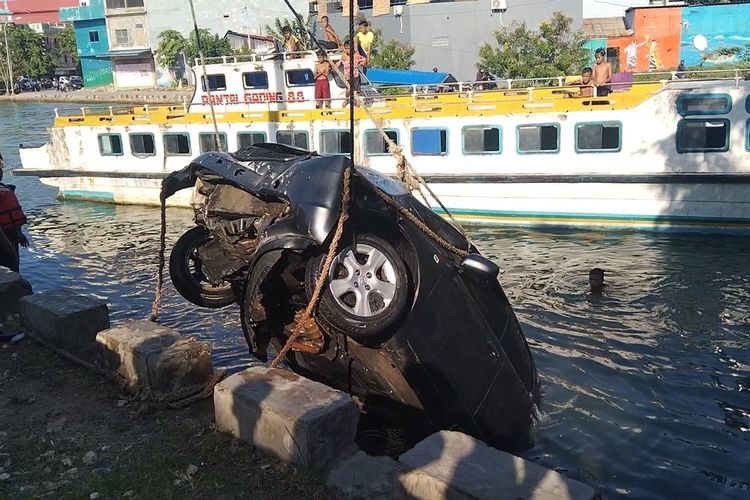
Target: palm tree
299,31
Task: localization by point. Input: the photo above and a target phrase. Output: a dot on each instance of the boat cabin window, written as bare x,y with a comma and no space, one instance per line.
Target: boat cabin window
704,104
429,141
335,142
209,141
598,137
291,138
246,139
479,140
747,132
215,82
142,145
299,77
747,104
255,80
375,145
176,144
110,144
542,138
699,136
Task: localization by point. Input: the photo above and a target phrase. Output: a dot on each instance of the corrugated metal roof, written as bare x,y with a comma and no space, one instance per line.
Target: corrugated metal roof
605,27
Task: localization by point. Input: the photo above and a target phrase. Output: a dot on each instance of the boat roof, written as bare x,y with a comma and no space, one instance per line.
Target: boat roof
379,76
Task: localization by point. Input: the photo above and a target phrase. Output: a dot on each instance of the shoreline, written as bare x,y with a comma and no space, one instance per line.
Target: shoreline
134,96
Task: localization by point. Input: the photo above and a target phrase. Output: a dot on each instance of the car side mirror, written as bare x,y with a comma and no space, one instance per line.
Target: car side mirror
479,264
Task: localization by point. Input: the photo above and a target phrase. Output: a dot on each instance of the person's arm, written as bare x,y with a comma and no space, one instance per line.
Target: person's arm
609,74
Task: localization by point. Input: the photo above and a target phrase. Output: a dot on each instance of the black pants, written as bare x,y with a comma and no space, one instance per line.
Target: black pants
328,45
9,251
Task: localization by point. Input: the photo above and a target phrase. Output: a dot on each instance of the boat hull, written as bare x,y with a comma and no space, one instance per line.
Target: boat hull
716,204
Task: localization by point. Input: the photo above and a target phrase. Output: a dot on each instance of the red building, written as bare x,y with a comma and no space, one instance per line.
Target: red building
37,11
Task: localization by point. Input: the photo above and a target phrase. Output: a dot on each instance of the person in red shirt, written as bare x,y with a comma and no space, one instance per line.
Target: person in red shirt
12,219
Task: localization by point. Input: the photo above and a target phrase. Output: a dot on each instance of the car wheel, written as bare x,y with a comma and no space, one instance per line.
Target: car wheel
185,269
367,289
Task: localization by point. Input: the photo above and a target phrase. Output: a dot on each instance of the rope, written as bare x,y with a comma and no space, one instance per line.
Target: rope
307,316
162,250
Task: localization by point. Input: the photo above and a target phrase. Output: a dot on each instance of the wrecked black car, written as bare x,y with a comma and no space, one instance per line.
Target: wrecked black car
406,324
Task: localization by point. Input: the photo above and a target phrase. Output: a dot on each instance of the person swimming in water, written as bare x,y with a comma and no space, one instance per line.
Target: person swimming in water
596,280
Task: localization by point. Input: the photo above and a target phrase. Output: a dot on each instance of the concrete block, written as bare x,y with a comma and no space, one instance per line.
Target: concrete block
155,357
286,415
363,476
452,465
66,319
12,288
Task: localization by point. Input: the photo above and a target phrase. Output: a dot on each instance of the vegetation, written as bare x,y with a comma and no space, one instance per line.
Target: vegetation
172,43
67,45
29,56
555,49
299,31
390,54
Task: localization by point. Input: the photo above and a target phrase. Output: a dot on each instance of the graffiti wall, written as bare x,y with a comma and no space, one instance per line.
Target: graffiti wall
663,36
96,72
718,33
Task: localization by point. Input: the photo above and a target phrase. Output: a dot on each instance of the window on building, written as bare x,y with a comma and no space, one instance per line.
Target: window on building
121,37
177,144
598,137
375,145
704,104
299,77
544,138
142,144
93,36
124,4
364,4
429,141
335,142
246,139
703,136
110,144
291,138
209,141
255,80
215,82
482,140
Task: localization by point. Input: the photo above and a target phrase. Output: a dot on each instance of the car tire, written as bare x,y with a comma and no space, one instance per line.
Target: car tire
187,278
367,290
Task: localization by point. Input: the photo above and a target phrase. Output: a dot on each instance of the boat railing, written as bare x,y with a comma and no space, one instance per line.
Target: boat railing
256,57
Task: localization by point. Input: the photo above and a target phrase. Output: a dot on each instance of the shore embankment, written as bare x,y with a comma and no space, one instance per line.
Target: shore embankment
105,95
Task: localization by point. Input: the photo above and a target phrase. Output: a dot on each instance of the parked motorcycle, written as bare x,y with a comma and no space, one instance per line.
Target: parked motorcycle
406,324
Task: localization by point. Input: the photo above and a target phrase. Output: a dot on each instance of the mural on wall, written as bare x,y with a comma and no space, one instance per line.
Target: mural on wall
716,34
655,43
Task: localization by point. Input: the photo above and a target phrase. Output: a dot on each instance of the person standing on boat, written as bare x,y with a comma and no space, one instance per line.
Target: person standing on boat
331,41
322,86
12,220
346,69
602,73
364,39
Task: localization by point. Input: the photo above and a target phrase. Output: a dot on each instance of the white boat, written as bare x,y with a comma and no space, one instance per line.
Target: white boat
657,154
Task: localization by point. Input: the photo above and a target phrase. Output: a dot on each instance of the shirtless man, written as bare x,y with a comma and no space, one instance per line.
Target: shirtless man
331,41
602,73
322,87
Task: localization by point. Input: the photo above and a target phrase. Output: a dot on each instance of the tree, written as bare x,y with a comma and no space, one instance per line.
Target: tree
28,54
171,44
555,49
390,54
299,31
67,45
213,45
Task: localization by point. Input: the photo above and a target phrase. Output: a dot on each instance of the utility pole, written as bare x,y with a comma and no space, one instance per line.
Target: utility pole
7,52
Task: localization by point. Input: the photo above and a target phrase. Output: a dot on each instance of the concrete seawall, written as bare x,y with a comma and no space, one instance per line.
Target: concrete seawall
85,96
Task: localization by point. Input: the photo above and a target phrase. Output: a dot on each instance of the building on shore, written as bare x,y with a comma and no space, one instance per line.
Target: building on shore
92,41
657,38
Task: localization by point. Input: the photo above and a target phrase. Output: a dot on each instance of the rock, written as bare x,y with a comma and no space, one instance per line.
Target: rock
191,470
56,425
105,448
94,496
363,476
4,476
89,458
128,494
65,319
121,403
155,357
72,472
454,465
67,462
286,415
12,288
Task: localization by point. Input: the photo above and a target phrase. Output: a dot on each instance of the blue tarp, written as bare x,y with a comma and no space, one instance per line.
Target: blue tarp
378,76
